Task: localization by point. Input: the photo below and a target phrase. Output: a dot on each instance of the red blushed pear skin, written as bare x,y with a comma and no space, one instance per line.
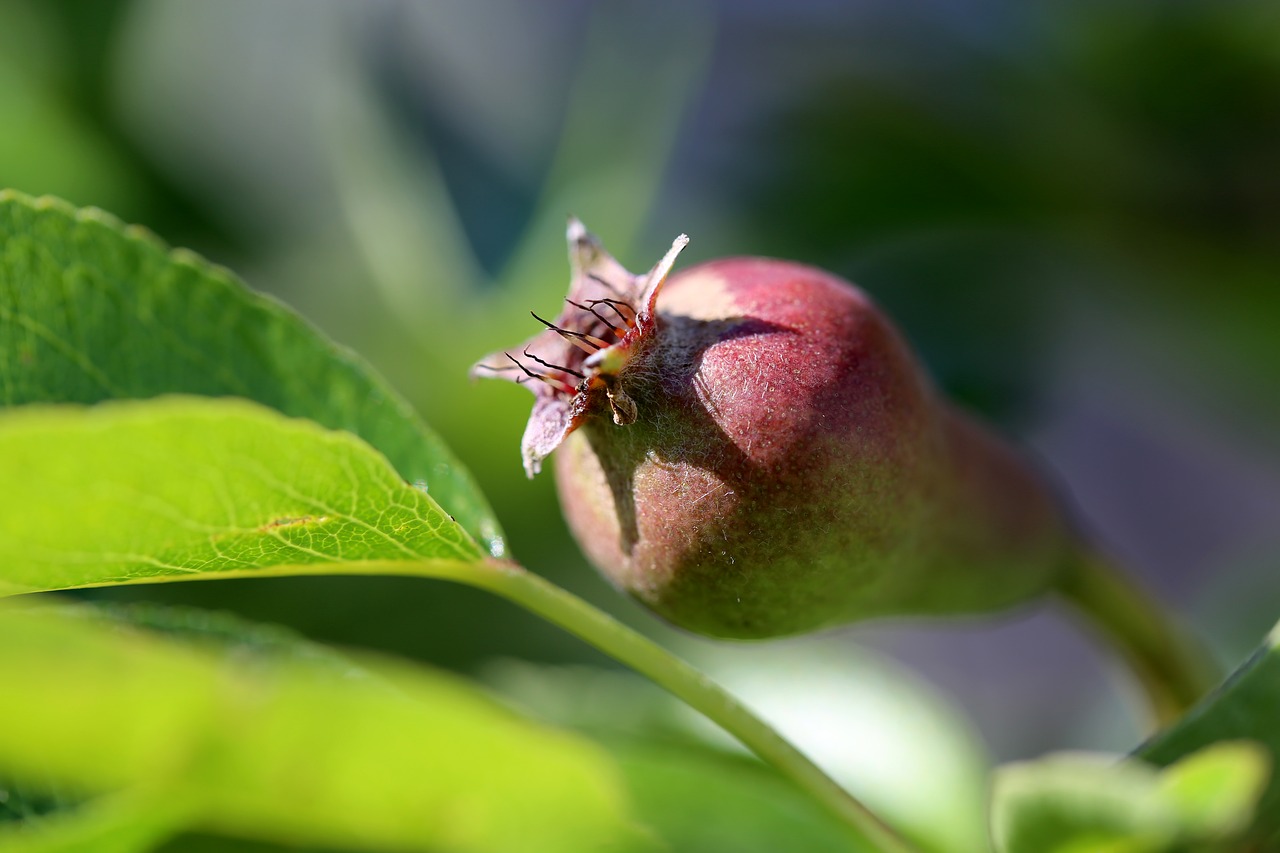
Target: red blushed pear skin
749,448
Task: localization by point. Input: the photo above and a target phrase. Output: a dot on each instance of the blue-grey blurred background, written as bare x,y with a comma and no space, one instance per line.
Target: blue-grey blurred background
1072,209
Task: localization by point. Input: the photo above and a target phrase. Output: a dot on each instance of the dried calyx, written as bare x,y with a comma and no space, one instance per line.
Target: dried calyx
577,366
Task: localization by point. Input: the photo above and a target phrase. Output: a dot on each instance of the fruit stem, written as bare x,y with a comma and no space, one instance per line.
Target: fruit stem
646,657
1170,665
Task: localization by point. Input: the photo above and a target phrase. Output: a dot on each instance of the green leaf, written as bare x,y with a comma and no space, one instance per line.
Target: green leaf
698,797
239,640
20,802
1216,790
121,823
409,760
182,487
1077,802
702,801
91,310
1246,706
701,797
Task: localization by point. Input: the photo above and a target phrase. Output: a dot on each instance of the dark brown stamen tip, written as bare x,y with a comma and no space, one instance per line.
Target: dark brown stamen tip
597,315
527,372
628,317
590,343
561,368
558,385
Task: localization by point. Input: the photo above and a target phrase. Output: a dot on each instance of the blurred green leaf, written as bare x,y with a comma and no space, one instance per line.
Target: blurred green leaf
51,145
412,760
240,640
700,798
1073,803
47,820
91,310
181,487
1246,706
887,737
21,802
120,823
704,794
1216,789
702,801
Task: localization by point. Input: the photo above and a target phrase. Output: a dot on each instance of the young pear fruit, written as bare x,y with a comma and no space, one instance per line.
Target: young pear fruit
749,448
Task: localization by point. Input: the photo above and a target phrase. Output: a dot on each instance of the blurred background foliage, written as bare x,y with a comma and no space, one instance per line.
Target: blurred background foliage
1072,208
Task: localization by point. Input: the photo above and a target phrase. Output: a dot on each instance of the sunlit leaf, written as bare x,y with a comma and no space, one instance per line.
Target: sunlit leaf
287,751
91,310
183,487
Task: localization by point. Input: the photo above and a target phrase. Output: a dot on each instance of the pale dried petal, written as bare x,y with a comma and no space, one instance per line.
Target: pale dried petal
549,422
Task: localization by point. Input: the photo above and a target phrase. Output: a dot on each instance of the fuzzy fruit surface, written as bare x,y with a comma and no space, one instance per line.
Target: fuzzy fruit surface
790,469
749,448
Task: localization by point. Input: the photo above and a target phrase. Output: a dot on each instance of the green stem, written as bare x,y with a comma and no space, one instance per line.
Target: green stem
652,660
1172,668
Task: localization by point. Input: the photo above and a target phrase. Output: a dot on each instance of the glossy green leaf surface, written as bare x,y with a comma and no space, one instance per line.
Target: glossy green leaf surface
1076,802
1246,706
186,486
91,310
283,750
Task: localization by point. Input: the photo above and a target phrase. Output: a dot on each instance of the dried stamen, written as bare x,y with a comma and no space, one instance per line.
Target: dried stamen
585,342
628,317
562,369
559,385
597,315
